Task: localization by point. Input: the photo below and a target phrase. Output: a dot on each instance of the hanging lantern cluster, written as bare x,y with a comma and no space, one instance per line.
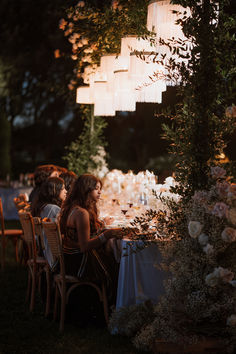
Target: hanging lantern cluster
122,80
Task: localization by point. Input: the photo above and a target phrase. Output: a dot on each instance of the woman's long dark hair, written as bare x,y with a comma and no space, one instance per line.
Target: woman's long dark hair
79,195
69,178
42,172
48,194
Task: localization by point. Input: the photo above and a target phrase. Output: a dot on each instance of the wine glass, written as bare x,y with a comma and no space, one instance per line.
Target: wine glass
124,210
130,204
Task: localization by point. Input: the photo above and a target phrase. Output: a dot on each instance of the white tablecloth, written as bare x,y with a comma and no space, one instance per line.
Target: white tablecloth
140,276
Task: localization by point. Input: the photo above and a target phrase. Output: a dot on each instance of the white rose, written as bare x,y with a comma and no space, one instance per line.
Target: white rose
203,239
232,191
225,274
219,273
231,320
229,234
194,228
211,279
208,249
233,283
232,216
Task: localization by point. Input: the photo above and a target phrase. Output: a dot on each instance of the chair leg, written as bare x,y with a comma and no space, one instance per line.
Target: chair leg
63,310
15,244
105,304
39,283
47,310
3,244
55,303
28,286
32,300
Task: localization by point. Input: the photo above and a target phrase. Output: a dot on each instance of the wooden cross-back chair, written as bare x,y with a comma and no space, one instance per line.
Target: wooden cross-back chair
36,264
38,229
21,203
65,284
8,234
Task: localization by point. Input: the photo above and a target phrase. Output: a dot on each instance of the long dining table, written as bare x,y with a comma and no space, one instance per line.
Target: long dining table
140,274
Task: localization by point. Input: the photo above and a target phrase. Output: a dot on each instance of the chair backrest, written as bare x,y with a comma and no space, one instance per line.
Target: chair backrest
38,228
22,197
27,225
2,218
3,240
21,204
53,234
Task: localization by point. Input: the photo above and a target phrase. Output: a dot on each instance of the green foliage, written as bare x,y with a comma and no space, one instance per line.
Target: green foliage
95,30
5,138
128,320
34,82
81,151
163,164
200,297
200,129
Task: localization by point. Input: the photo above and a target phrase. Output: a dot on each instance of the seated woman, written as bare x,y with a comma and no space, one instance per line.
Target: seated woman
41,173
84,239
69,178
48,205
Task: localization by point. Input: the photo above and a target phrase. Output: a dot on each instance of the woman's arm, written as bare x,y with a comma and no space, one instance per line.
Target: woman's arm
82,224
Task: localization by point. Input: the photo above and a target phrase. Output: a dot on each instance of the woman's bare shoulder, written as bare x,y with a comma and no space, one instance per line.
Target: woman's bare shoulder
79,211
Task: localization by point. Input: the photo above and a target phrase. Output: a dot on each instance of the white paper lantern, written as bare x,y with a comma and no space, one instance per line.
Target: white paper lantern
131,43
124,95
84,95
107,64
103,99
162,20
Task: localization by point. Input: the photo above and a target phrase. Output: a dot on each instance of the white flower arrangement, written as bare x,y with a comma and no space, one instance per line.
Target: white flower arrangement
101,166
194,228
228,235
231,320
203,239
202,262
208,249
219,273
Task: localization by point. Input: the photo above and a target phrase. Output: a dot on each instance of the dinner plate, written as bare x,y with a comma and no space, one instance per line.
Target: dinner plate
115,226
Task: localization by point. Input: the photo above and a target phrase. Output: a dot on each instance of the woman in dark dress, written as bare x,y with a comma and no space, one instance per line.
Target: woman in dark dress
41,173
84,237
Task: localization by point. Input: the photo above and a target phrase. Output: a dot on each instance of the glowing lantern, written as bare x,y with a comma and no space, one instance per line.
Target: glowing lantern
84,95
162,20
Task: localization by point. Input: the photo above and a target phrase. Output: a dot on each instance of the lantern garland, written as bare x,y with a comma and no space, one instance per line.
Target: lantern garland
122,80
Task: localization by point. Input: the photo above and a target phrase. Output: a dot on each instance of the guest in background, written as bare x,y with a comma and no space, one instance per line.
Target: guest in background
69,178
84,238
61,169
41,173
47,204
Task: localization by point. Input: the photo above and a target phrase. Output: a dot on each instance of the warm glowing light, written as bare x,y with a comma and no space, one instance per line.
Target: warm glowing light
122,80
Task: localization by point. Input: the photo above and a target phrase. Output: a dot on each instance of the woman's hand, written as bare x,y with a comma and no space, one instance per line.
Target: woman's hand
108,220
114,233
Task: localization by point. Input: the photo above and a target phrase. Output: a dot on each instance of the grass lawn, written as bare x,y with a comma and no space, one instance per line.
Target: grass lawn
23,332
